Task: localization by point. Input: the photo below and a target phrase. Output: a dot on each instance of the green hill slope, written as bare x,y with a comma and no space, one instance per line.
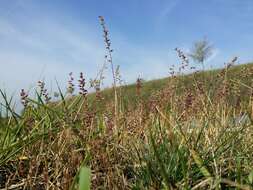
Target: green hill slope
211,81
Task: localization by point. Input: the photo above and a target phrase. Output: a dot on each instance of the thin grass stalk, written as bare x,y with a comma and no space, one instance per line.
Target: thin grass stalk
110,60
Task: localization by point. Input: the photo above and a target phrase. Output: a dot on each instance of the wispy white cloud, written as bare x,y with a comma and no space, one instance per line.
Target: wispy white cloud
165,12
52,47
170,6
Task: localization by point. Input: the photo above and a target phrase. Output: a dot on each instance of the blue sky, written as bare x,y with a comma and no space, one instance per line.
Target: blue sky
50,38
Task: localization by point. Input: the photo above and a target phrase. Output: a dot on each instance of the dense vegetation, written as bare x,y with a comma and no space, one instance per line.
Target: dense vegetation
184,132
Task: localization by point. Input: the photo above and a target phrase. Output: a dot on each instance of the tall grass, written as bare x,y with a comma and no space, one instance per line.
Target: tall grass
184,132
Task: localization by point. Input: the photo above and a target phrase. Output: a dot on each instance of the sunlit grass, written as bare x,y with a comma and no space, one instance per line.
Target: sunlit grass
186,132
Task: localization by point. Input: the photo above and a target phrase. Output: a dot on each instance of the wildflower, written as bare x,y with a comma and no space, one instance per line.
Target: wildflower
138,85
71,86
46,96
108,57
182,56
81,85
43,91
24,99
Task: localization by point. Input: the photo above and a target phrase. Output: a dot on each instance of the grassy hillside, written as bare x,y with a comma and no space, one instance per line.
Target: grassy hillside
237,76
184,132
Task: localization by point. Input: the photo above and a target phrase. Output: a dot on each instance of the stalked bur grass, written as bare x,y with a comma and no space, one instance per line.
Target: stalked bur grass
109,59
